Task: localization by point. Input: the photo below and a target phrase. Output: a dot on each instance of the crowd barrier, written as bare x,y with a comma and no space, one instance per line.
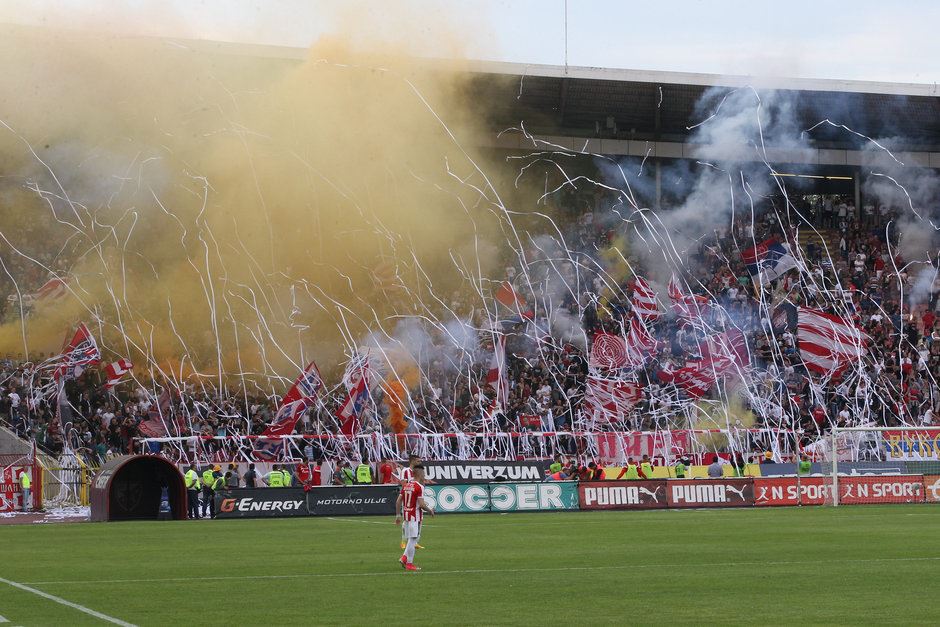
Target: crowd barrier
511,496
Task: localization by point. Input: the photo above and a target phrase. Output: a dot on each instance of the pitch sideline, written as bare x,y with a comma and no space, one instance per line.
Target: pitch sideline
472,571
61,601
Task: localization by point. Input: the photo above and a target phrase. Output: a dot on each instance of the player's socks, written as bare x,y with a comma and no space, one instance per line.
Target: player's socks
410,550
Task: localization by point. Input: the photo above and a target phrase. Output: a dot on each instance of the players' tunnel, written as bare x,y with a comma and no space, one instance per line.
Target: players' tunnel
130,488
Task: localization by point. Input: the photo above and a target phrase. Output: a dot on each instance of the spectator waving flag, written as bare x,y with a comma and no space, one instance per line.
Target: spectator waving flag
644,300
768,260
304,392
81,352
285,420
350,412
307,387
610,399
116,371
828,343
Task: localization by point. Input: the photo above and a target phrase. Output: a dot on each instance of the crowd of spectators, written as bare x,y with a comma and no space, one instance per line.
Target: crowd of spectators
845,269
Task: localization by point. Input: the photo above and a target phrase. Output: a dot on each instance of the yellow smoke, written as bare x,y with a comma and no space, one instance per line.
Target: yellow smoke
229,211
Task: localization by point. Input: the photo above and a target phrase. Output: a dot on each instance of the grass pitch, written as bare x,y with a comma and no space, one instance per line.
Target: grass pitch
848,565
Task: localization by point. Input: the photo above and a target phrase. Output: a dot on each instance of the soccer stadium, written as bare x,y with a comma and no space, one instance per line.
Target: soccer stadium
343,335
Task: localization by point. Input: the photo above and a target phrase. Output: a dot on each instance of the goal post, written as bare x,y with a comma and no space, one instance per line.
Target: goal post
871,465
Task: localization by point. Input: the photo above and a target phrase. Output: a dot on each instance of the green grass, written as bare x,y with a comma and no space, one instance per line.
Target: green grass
847,565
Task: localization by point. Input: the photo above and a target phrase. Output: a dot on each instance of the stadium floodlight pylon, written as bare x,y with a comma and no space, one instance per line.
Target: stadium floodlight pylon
882,465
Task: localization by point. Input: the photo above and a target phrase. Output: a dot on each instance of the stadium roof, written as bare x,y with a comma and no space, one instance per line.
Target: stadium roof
661,106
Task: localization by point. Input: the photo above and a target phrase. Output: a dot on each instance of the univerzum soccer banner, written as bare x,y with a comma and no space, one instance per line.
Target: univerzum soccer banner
503,497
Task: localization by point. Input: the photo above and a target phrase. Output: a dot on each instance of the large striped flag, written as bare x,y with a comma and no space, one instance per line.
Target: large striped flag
644,300
828,343
690,307
610,399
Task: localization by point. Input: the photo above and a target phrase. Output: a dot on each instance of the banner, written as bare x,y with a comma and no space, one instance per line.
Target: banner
504,497
260,503
922,444
789,491
352,500
848,468
11,498
932,488
859,490
711,493
623,495
484,472
615,448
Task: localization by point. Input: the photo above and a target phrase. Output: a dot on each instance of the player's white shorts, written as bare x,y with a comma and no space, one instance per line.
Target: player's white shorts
411,529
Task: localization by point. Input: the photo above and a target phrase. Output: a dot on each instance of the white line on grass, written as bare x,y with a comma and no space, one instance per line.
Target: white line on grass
61,601
471,571
4,620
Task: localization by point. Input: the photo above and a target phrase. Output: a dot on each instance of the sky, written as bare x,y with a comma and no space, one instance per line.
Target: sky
835,39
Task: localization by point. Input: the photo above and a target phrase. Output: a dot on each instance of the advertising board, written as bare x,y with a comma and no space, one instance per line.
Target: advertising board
711,493
623,495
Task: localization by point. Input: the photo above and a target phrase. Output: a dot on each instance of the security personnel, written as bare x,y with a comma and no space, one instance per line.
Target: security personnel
275,478
25,485
681,468
347,476
219,482
556,465
630,470
805,466
208,494
646,466
363,473
285,475
192,492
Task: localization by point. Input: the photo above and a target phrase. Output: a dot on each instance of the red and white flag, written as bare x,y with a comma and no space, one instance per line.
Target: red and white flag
612,352
307,386
608,352
51,290
640,344
158,416
610,399
689,307
116,372
496,376
644,300
512,300
828,343
304,392
81,352
350,412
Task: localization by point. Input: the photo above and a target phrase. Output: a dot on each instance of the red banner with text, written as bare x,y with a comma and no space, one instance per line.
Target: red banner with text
711,493
623,495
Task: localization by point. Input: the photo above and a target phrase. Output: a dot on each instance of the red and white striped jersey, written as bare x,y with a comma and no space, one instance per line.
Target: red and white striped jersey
411,494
